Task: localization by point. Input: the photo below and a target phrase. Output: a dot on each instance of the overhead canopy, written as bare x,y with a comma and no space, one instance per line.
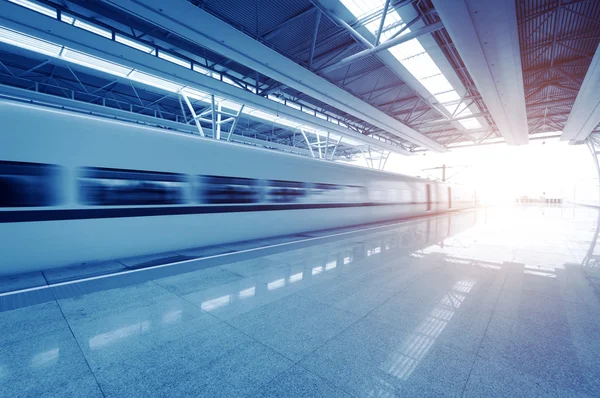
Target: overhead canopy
193,24
585,115
485,35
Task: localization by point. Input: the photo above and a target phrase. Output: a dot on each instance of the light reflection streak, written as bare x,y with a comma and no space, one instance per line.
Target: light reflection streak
172,317
279,283
540,273
216,303
45,358
104,339
414,349
246,293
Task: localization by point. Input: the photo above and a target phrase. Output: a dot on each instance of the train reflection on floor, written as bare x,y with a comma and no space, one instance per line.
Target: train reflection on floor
493,303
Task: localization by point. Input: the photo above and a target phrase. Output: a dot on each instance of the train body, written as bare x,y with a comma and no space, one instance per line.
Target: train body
76,188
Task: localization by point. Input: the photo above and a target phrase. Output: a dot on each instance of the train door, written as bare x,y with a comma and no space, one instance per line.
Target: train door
449,197
428,187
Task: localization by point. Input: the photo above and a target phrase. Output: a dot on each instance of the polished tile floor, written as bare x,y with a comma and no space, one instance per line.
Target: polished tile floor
499,302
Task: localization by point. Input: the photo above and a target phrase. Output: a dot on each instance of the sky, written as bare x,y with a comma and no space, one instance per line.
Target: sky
549,168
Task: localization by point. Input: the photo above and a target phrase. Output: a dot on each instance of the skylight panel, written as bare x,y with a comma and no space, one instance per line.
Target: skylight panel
174,59
293,105
134,44
37,7
408,49
470,123
421,66
308,110
66,18
392,28
93,28
321,115
199,69
436,84
362,7
447,96
95,63
412,55
29,43
205,71
276,98
155,81
229,81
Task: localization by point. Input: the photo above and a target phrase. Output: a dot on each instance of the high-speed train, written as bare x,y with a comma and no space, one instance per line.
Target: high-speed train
76,188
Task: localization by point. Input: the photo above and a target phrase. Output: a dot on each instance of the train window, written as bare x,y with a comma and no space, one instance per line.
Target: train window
286,191
353,194
327,193
228,190
29,184
114,187
377,194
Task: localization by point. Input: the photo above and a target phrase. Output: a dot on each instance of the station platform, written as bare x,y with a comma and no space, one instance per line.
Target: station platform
493,302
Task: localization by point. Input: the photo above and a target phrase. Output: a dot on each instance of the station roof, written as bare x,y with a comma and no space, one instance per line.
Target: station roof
313,75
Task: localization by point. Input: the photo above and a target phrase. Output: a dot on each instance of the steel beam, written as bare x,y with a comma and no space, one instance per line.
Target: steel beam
29,22
314,40
191,23
585,114
383,15
384,46
486,37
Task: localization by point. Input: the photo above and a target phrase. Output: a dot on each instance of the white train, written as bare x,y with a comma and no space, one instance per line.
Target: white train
76,188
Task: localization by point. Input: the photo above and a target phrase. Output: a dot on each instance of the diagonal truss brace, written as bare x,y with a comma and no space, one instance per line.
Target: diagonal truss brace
213,115
322,147
376,159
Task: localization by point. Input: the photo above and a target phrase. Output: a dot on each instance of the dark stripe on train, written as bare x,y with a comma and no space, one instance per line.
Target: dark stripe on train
85,214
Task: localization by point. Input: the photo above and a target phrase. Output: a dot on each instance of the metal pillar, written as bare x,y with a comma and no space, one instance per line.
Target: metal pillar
234,124
308,143
336,147
212,114
193,112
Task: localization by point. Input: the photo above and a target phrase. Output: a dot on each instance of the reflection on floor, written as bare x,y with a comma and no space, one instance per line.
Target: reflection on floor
494,303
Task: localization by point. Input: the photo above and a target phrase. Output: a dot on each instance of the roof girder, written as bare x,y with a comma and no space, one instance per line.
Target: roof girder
585,114
494,65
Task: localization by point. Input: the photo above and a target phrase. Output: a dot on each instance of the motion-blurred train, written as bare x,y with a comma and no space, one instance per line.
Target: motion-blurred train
76,188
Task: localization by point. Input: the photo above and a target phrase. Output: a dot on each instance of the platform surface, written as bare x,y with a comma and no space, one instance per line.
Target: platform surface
498,302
